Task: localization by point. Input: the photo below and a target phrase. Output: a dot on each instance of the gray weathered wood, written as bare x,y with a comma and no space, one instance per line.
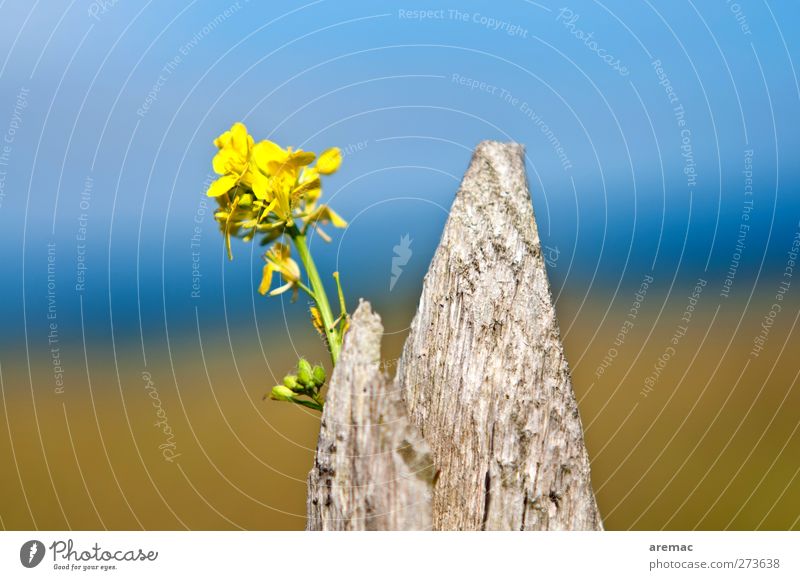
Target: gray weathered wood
372,471
484,379
483,370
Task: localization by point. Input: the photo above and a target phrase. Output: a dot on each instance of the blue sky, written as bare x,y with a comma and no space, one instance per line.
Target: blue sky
132,95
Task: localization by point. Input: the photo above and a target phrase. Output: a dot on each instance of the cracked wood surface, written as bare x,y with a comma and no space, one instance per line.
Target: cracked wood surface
372,471
483,370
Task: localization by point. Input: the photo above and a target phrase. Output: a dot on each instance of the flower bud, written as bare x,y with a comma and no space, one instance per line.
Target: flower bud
318,374
281,393
304,372
290,381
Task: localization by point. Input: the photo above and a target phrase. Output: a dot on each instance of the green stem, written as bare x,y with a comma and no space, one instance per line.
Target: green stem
320,296
309,404
342,305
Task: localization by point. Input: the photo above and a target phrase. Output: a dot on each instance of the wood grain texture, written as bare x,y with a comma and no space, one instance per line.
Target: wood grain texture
372,470
483,370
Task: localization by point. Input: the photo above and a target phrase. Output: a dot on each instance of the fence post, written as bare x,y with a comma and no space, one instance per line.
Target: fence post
372,470
483,377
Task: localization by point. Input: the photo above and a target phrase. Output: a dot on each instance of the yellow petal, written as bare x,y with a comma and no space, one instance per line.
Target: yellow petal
223,140
222,161
329,161
310,190
291,271
336,219
279,256
309,174
239,139
259,183
322,234
325,214
266,279
282,193
281,289
302,158
268,157
222,185
268,208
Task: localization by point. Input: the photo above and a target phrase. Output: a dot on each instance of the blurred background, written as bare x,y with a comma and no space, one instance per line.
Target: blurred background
662,160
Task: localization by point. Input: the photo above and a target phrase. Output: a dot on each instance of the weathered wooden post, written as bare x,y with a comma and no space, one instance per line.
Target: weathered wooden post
372,470
484,382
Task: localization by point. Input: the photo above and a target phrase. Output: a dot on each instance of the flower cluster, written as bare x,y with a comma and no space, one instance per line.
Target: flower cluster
266,189
273,193
302,388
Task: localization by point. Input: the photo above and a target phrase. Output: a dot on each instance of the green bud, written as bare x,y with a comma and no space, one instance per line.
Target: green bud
281,393
290,381
318,374
304,372
245,200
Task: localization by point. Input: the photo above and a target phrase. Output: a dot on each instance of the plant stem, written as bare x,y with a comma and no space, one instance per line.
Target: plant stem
320,296
310,404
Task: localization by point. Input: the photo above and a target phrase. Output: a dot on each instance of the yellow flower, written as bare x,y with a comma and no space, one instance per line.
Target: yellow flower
234,149
272,159
265,190
232,162
284,170
309,185
278,260
329,161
